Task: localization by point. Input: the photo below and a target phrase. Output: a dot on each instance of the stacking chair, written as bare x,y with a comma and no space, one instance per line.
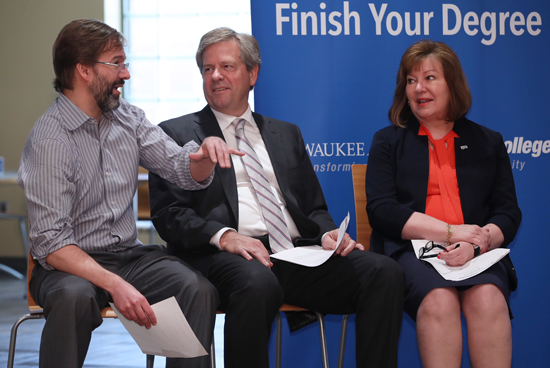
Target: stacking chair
279,337
36,312
364,229
363,236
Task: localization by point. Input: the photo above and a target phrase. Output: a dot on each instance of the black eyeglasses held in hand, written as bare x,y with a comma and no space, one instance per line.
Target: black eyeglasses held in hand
427,248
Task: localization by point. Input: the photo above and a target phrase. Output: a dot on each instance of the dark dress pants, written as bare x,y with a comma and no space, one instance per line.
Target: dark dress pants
72,305
365,283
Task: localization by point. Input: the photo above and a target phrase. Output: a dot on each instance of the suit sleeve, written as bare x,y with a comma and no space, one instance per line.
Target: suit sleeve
173,212
505,212
386,212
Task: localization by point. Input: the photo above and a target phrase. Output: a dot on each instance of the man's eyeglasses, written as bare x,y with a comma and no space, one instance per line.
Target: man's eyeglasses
121,67
427,248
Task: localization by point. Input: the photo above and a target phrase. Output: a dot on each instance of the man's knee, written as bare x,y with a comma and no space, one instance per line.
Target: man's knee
260,286
78,300
384,271
201,289
391,271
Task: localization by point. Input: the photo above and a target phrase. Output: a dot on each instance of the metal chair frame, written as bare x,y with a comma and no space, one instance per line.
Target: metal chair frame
36,312
279,337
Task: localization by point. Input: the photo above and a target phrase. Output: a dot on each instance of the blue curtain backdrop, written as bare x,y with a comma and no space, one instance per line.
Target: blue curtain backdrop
330,67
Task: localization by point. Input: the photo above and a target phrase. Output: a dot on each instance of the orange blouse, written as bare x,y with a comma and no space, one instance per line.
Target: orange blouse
443,200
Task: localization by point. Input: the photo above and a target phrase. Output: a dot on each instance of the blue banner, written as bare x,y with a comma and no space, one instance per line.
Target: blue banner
330,67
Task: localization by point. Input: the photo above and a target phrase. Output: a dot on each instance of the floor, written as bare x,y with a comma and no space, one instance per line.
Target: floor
120,352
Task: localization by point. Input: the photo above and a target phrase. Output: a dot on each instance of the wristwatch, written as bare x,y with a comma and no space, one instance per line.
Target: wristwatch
477,250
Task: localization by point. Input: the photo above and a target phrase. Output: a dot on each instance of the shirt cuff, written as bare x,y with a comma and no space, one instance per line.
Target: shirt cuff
215,240
187,181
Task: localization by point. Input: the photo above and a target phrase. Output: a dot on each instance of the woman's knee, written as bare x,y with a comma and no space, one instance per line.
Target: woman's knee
483,301
439,303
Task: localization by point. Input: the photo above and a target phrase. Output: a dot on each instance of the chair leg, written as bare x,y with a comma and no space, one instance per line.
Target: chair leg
152,233
212,354
150,361
323,339
278,340
343,341
13,338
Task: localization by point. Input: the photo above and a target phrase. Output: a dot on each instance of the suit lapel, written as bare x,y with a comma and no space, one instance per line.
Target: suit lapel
275,148
467,153
416,162
207,126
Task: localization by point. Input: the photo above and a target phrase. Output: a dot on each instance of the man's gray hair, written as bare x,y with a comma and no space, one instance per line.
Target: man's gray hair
250,50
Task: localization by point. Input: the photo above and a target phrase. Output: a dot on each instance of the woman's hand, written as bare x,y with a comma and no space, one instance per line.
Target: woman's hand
472,234
457,254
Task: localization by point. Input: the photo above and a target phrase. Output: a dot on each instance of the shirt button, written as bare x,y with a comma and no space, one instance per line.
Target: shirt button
107,173
113,203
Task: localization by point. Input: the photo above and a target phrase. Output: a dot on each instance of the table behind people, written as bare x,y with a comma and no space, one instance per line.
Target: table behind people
8,181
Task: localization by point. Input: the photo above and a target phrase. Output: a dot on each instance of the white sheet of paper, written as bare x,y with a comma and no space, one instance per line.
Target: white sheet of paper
172,337
468,269
312,255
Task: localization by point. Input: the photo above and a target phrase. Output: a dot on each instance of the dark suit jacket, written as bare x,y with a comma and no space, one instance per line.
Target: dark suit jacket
187,220
397,182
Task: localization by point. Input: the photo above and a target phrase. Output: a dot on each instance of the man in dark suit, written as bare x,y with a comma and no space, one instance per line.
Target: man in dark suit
225,232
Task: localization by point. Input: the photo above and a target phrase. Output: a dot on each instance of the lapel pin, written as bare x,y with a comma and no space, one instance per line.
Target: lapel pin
463,147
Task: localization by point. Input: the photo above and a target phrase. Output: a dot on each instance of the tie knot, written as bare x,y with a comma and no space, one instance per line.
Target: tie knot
239,123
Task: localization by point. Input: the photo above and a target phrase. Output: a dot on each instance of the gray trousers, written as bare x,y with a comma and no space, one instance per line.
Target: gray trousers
72,305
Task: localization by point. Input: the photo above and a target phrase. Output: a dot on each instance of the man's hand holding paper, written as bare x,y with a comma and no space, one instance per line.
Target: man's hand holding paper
315,255
347,244
171,337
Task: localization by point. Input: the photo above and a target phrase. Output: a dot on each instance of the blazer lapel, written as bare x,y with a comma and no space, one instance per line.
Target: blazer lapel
467,153
207,126
275,146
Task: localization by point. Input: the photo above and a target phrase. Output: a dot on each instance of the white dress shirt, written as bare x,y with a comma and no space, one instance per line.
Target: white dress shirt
251,220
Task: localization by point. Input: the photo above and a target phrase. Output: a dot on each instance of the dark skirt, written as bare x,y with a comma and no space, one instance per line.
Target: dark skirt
421,278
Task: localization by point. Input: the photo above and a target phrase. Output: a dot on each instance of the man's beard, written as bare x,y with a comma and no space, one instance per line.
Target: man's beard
102,90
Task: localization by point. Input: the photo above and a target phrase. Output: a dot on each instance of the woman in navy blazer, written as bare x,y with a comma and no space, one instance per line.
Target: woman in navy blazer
431,100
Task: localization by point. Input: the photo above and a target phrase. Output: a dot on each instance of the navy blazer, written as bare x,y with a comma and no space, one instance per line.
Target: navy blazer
397,182
187,220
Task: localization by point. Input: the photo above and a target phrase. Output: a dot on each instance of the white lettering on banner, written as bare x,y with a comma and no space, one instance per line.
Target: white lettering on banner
521,146
336,149
330,167
379,16
334,18
471,21
517,165
310,22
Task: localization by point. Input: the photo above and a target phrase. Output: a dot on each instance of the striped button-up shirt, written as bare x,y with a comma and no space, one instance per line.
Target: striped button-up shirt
80,177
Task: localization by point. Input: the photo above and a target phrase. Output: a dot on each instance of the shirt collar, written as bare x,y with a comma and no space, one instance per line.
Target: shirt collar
424,131
225,120
73,116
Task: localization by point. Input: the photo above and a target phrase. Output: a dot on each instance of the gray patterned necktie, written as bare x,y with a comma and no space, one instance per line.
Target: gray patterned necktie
279,236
